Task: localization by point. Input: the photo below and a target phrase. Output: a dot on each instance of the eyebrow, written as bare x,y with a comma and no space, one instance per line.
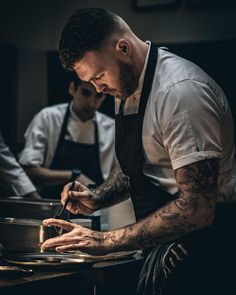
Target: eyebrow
94,75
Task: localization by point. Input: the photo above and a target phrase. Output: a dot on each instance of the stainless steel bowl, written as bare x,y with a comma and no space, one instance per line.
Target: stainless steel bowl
19,207
26,235
23,235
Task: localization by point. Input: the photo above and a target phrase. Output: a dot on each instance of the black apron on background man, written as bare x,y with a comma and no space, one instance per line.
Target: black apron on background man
173,267
74,155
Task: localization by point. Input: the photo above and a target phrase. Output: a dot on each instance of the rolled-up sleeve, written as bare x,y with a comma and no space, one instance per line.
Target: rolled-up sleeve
13,179
190,123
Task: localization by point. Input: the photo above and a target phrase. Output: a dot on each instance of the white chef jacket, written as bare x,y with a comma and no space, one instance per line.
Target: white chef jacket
13,180
42,134
187,119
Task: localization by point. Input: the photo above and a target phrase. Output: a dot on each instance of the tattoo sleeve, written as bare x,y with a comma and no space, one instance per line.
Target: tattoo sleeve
193,209
115,189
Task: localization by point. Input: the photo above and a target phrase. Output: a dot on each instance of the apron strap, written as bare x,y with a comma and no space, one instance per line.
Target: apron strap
62,135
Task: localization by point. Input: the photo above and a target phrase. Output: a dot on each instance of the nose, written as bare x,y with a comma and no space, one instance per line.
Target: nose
92,102
99,86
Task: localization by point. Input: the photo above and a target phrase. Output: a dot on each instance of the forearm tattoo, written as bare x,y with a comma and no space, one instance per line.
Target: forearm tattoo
193,209
115,189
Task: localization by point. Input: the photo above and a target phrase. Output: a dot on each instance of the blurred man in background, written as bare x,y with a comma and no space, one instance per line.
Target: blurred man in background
70,141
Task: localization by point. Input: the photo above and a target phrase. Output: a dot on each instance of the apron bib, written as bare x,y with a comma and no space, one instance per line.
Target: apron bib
70,155
146,197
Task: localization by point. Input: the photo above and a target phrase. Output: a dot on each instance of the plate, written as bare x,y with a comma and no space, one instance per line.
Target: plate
111,256
11,271
51,261
65,261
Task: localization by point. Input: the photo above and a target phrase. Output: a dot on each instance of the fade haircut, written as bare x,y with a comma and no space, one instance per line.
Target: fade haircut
86,30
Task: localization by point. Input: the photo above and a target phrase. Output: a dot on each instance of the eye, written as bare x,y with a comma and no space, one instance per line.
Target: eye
99,95
86,92
98,77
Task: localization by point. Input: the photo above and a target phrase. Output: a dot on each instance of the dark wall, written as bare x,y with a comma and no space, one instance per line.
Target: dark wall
8,80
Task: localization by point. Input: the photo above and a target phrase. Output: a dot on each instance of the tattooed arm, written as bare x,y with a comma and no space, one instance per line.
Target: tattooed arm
114,190
194,209
84,201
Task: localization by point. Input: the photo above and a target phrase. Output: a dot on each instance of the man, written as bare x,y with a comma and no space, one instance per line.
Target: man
13,180
70,141
174,144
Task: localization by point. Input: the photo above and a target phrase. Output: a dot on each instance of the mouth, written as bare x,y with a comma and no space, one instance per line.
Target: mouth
89,113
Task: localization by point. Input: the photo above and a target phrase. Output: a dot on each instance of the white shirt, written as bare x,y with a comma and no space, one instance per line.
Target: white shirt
42,134
187,119
13,179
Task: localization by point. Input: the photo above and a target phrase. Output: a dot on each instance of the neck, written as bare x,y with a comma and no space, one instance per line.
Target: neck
139,56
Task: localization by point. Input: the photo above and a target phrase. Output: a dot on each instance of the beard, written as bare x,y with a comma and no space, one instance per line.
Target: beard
128,79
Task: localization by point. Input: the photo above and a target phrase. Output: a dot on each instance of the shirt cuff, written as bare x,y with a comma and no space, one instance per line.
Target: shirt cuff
193,158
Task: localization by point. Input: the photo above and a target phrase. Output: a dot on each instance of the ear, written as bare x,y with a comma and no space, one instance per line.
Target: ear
71,88
123,47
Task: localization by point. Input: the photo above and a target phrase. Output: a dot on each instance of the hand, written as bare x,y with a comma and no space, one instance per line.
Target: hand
81,200
76,238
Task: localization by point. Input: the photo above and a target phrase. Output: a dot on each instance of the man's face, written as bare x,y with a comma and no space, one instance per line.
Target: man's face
85,100
109,72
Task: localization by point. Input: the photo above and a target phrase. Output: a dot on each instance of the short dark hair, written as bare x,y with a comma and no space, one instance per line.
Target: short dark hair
86,30
75,79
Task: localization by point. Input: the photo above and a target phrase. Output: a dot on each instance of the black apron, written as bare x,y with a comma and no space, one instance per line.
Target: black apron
129,151
72,155
177,267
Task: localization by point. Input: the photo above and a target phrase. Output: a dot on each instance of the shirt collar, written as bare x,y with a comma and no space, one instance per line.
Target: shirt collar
138,90
132,102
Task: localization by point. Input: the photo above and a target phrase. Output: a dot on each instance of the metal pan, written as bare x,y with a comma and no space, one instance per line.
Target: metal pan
20,207
52,261
26,235
23,235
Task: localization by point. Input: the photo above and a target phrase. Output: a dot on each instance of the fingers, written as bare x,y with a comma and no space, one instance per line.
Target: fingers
67,248
81,199
60,241
68,226
64,239
75,195
65,192
67,189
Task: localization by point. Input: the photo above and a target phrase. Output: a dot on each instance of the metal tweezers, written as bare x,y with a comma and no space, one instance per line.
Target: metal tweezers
59,215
